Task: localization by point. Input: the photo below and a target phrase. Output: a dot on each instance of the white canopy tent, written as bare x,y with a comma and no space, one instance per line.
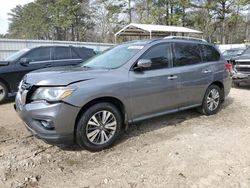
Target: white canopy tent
153,30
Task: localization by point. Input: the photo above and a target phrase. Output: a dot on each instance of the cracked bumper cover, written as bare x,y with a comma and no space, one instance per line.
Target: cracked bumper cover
240,77
61,115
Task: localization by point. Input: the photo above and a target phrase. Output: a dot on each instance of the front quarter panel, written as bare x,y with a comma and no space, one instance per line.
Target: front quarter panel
113,84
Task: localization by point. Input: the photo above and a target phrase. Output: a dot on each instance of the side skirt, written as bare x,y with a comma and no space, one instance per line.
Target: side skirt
162,113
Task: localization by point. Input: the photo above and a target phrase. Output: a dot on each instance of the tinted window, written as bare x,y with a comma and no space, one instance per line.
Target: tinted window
159,55
39,54
186,54
62,53
210,53
74,55
247,51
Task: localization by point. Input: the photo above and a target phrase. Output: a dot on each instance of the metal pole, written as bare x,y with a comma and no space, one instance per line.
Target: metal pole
150,34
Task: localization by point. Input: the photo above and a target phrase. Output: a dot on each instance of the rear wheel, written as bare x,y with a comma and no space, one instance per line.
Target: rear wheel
212,101
99,127
3,92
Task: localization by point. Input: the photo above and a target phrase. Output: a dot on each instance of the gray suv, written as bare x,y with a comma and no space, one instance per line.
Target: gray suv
90,104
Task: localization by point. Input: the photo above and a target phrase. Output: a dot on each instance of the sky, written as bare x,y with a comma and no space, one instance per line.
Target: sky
5,9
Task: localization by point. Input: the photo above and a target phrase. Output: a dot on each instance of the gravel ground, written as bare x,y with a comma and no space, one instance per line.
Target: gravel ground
179,150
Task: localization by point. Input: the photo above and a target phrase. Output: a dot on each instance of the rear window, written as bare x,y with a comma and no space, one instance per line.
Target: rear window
62,53
74,55
186,54
210,53
84,53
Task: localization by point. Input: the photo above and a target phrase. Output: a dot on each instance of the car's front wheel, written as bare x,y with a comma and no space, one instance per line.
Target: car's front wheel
3,92
212,101
99,127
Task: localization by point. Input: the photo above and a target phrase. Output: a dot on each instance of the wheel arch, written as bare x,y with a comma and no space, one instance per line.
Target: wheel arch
221,86
115,101
6,84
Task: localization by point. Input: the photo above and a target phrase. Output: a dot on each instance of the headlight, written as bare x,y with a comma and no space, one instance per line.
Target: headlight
52,93
20,85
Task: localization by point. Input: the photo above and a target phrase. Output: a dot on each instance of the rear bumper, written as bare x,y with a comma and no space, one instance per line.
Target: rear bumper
227,86
241,78
60,115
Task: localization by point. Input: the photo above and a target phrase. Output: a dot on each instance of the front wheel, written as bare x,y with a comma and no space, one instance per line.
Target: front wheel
3,92
99,127
212,101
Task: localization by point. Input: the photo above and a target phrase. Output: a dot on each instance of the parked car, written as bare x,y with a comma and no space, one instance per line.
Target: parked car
131,82
17,65
232,53
241,68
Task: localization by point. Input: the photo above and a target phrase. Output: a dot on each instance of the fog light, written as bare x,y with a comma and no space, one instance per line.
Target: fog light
47,124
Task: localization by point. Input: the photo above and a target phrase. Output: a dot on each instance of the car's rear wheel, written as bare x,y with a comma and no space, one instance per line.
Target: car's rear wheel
3,92
99,127
212,101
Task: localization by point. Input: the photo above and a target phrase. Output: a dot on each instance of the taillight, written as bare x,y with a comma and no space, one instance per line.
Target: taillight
229,67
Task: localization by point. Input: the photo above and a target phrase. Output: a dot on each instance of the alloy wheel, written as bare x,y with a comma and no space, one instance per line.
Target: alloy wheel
213,99
101,127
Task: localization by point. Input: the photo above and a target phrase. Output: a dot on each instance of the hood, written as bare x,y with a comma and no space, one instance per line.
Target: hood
62,76
4,63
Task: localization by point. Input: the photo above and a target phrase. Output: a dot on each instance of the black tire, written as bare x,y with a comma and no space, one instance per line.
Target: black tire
81,132
3,92
204,109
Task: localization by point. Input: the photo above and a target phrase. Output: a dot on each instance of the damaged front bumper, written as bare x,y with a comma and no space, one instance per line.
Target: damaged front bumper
241,78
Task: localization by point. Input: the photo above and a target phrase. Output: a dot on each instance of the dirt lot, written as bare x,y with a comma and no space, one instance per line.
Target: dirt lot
179,150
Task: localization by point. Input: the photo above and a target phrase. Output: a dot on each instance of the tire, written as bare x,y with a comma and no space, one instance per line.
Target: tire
90,127
215,102
3,92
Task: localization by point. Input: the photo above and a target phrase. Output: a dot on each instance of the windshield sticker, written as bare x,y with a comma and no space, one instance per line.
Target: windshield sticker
135,47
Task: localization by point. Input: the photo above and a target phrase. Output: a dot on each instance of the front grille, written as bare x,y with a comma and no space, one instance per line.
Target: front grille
28,88
243,67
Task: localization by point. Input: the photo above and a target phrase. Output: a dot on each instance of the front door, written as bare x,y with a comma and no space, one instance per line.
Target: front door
154,90
38,58
65,56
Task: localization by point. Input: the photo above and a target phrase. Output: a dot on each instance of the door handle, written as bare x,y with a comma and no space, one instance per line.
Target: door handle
207,71
172,77
48,65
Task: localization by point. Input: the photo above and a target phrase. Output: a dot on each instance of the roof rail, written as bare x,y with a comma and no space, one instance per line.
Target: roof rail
185,38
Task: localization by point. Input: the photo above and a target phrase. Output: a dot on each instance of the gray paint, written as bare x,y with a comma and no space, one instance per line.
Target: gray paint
144,94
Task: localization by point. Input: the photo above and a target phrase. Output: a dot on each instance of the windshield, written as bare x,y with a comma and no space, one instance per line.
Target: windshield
115,57
233,52
247,51
16,55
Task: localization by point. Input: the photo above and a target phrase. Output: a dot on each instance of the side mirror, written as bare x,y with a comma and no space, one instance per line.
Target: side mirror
143,64
24,61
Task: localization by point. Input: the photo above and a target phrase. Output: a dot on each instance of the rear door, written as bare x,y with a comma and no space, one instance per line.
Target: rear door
195,75
154,90
64,56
